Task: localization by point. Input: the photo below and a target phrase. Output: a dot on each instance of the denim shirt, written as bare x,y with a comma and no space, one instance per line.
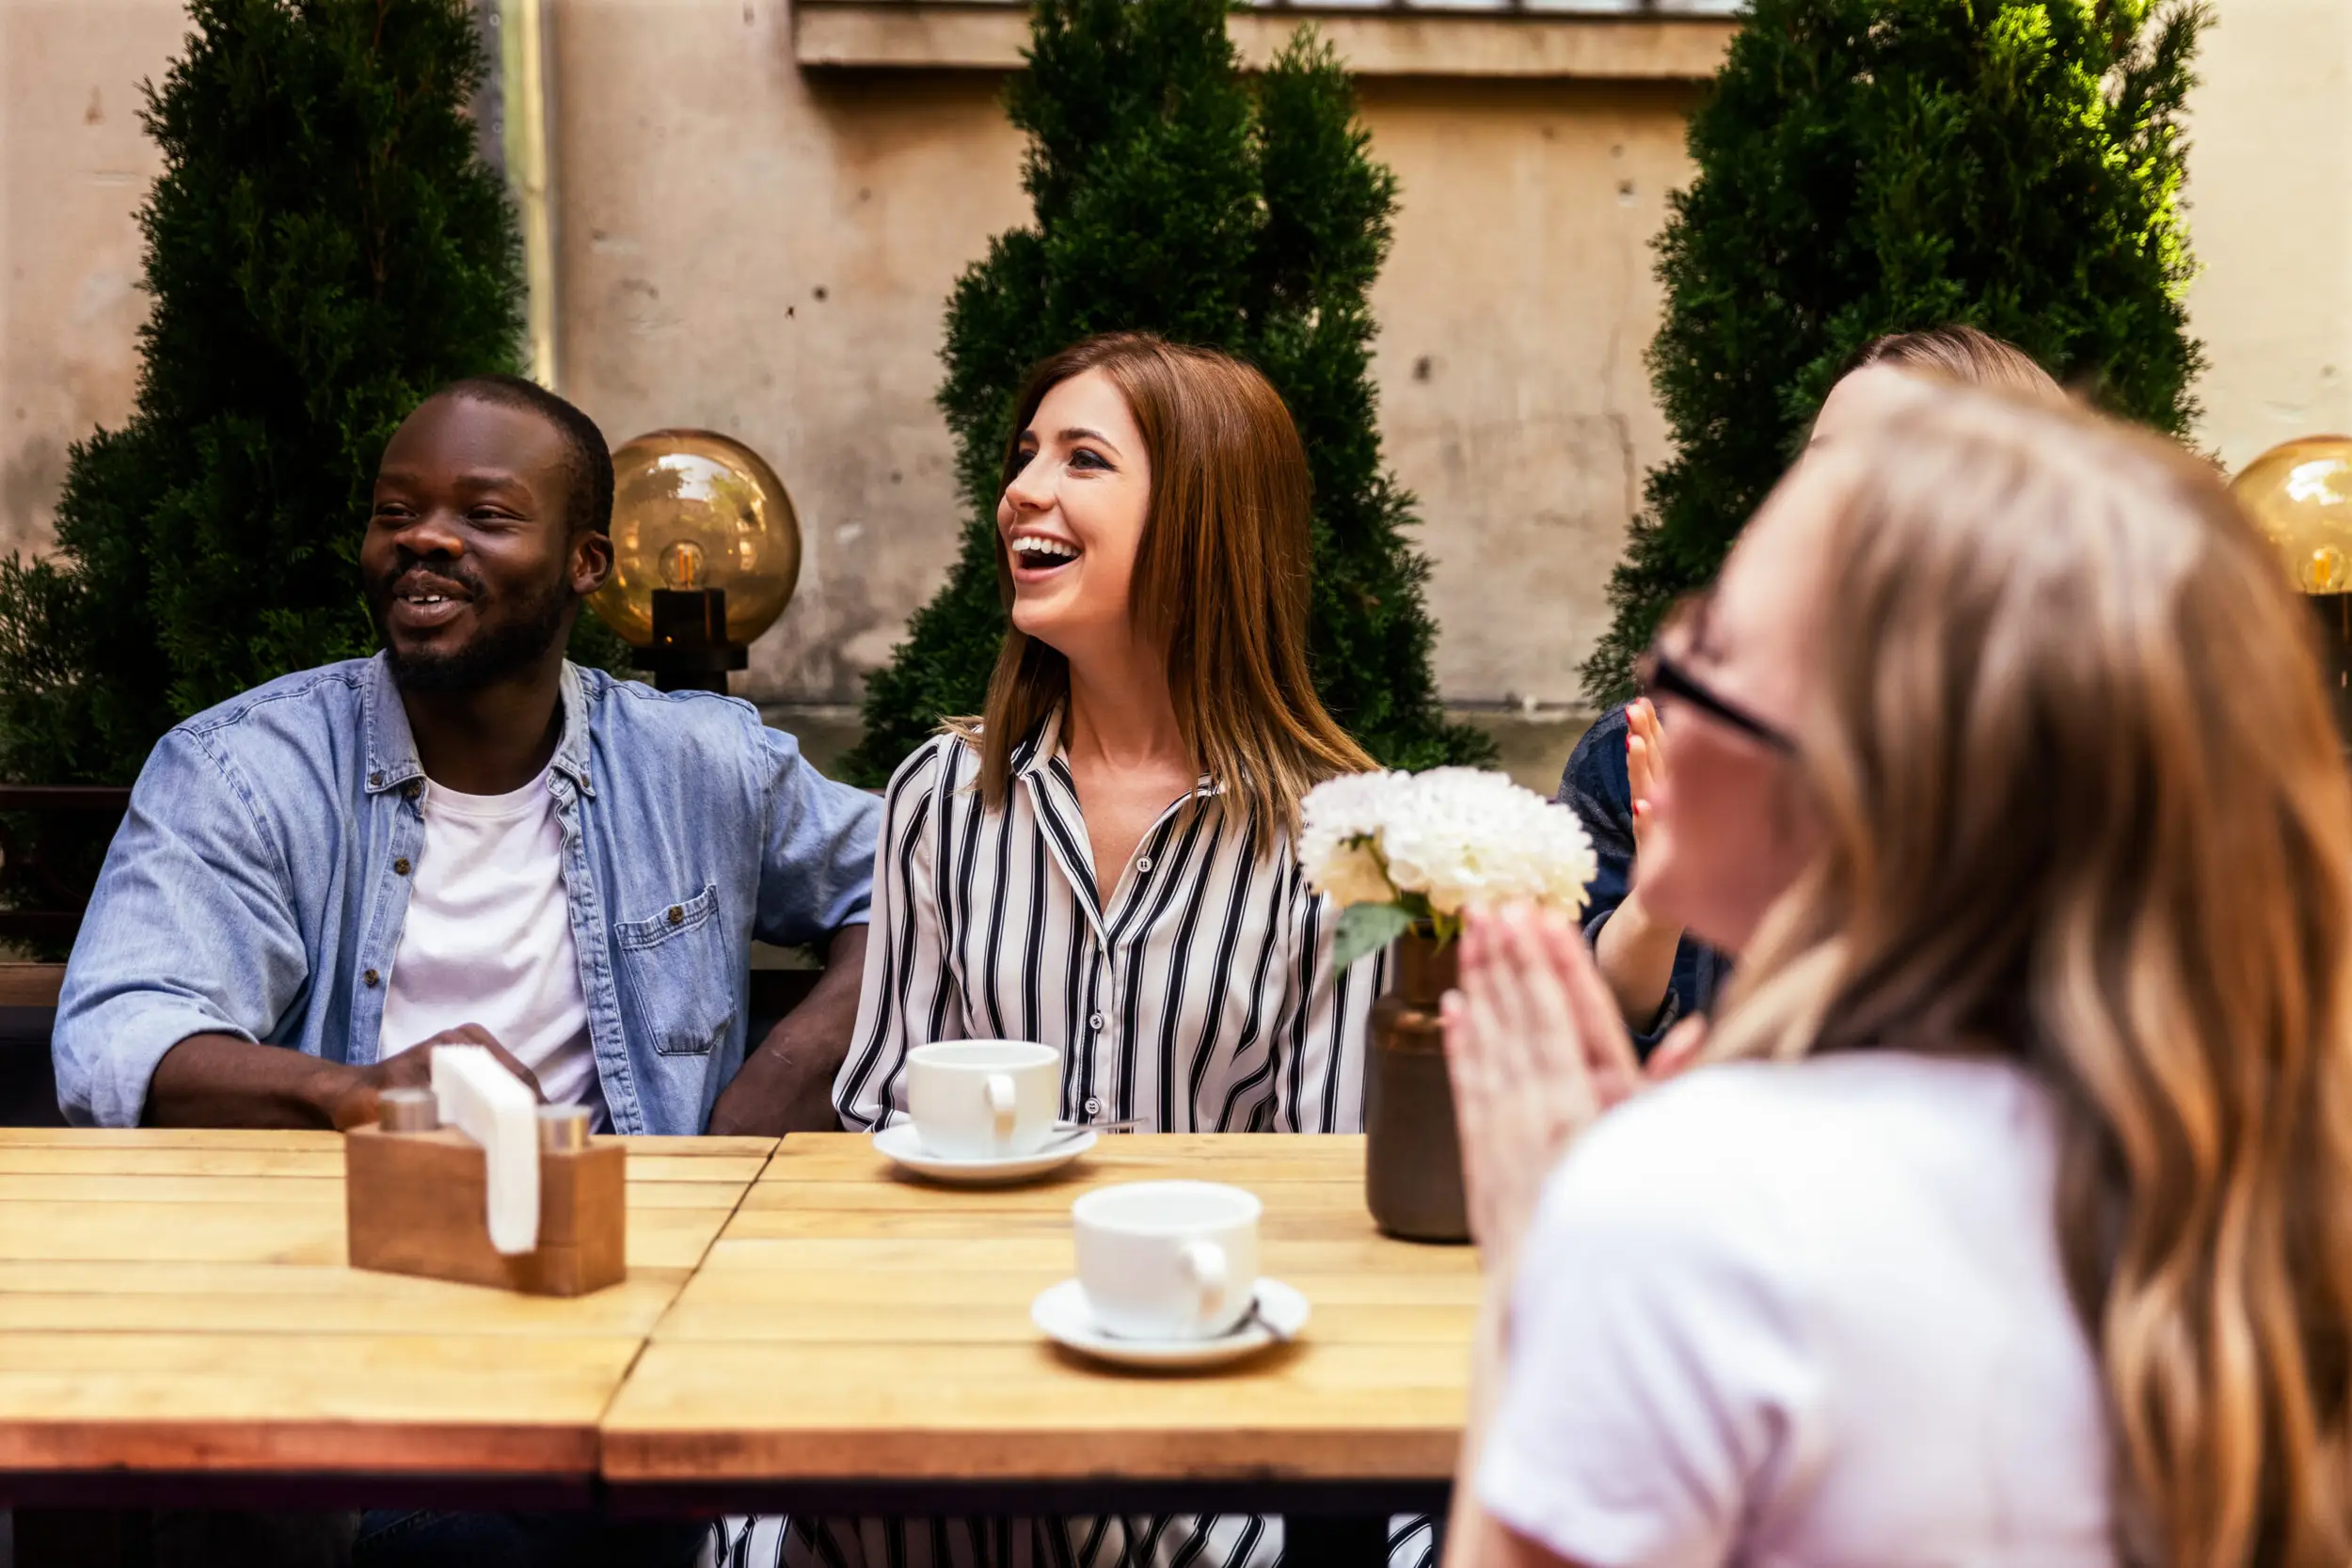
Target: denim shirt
1596,786
258,885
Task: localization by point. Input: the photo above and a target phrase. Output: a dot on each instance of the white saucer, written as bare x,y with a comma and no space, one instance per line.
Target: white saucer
1062,1312
900,1144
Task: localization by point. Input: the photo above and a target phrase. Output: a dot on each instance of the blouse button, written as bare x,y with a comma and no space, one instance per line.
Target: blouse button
370,979
400,866
1094,1106
1144,866
676,915
1096,1021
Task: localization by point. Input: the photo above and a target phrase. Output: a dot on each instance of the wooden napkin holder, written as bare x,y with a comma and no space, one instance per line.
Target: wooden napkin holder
416,1203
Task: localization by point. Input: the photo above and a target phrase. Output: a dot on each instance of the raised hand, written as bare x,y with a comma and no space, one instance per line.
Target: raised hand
1536,1052
412,1069
1644,762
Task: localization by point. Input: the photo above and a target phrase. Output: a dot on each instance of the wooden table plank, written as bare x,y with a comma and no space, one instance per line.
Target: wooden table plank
314,1404
852,1325
325,1189
1237,1158
325,1161
975,1411
198,1304
179,1302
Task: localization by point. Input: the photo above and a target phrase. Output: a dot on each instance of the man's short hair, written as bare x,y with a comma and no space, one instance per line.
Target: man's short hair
587,461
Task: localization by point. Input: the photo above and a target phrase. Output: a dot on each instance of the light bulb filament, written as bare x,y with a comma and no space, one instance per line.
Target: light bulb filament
682,566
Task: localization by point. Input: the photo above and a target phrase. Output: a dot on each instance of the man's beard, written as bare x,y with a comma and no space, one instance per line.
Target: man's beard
494,653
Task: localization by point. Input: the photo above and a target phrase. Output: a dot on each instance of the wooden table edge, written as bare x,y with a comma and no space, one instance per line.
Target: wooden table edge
644,1456
127,1446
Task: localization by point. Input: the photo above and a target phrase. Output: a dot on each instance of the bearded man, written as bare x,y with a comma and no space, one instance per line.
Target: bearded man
467,839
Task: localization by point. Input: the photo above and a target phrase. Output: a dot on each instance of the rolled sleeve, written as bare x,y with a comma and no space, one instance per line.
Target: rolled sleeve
190,931
818,868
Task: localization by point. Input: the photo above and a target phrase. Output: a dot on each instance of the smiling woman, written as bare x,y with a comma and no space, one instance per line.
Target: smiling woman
1100,863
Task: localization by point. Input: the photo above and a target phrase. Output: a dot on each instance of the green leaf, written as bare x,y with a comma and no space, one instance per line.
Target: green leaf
1365,929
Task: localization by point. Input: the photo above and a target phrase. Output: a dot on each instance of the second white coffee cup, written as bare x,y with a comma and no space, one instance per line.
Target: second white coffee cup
984,1100
1168,1260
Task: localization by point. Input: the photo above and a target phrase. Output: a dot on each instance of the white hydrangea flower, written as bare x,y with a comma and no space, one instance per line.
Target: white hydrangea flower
1455,837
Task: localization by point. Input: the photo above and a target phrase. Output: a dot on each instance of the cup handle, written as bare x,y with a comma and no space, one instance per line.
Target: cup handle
1003,1102
1205,1262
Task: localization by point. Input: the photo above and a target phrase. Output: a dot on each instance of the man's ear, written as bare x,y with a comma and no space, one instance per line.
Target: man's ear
592,563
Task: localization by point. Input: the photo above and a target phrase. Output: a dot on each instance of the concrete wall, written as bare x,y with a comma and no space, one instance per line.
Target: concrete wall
74,165
2270,206
766,250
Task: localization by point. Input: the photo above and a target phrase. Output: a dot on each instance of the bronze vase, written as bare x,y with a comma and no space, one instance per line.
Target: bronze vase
1413,1166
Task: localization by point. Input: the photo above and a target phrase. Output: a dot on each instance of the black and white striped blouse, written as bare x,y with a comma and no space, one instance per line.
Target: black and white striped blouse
1199,995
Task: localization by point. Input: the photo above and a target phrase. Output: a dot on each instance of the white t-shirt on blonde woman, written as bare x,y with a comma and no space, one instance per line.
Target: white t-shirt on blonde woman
1808,1314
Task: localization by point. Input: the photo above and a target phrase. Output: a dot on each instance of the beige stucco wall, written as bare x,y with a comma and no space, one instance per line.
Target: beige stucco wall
2270,197
751,246
789,285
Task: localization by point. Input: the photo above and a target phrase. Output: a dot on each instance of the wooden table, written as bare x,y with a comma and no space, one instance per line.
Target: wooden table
176,1318
801,1328
856,1337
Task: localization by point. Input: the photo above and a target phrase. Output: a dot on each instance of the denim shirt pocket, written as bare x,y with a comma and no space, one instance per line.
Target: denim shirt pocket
676,964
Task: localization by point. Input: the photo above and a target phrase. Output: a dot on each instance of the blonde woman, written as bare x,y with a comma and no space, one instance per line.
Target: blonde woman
2010,1223
1102,861
1657,974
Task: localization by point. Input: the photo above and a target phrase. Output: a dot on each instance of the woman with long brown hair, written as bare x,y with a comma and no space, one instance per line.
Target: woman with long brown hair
1101,862
2011,1218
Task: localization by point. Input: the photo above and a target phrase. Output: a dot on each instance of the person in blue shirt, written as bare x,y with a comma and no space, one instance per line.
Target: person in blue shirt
468,839
1656,974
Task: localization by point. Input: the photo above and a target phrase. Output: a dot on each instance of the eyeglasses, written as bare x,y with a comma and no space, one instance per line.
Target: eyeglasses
1659,673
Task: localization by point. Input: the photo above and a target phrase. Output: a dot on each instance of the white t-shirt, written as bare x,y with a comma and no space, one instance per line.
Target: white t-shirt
1808,1314
489,940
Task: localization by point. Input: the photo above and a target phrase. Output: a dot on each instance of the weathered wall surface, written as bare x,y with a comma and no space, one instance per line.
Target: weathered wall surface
74,168
751,246
2270,194
1514,315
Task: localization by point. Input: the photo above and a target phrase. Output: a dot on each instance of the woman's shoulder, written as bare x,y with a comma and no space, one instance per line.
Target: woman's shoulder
946,755
1742,1145
1595,774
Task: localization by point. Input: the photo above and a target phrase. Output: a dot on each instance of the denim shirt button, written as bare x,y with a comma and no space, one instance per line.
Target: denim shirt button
400,866
413,788
370,979
676,915
376,781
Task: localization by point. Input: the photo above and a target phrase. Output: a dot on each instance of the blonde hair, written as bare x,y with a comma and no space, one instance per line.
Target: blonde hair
2082,803
1963,354
1221,577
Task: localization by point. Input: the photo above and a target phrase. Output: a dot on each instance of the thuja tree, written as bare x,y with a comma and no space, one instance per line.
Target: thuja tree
1173,194
323,248
1868,166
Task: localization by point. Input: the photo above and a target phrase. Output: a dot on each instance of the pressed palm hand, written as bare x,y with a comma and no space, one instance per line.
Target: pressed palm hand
1537,1052
1645,763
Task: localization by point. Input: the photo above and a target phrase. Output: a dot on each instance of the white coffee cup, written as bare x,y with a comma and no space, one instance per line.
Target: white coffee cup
984,1100
1168,1260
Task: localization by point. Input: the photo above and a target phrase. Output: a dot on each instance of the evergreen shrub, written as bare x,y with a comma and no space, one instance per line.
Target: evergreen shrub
323,248
1866,167
1175,195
